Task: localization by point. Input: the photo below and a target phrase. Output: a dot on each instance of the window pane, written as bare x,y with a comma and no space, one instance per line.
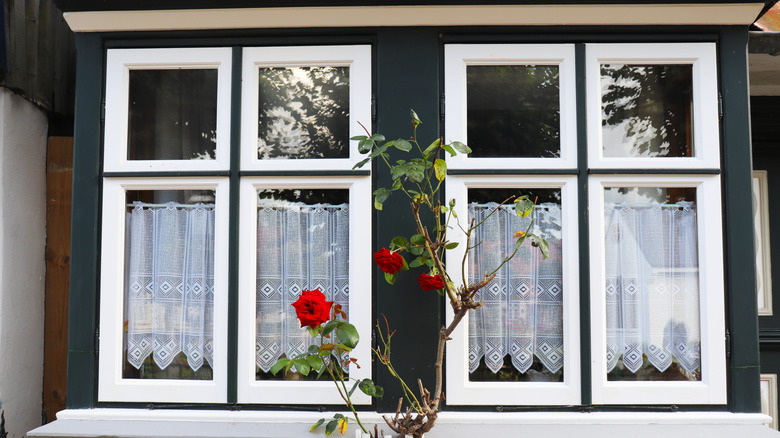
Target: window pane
513,111
173,115
302,244
652,284
647,110
169,292
517,335
303,113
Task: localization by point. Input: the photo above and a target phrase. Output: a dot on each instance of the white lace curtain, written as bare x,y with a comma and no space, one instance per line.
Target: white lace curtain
299,247
523,312
652,285
170,283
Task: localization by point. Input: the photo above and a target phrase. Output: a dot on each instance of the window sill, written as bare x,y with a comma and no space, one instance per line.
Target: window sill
136,423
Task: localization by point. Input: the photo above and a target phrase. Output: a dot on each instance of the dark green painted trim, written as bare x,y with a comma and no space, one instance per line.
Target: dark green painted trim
407,75
654,171
512,171
166,174
586,394
233,234
305,172
738,231
769,336
85,230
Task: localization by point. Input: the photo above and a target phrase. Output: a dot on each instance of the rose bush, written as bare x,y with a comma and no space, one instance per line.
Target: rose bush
388,261
312,308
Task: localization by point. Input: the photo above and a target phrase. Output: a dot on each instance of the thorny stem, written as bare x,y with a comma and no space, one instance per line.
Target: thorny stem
345,393
436,260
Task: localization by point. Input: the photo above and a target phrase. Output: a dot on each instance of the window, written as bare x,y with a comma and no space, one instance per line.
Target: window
655,260
167,238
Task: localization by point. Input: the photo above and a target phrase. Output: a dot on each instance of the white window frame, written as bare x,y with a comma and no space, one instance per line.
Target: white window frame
457,57
702,56
357,58
712,387
360,269
119,62
111,385
460,390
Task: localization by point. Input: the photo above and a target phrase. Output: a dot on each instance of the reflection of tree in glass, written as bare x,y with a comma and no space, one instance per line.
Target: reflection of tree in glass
303,113
646,110
513,111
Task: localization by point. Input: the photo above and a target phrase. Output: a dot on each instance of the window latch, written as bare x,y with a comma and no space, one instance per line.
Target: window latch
728,344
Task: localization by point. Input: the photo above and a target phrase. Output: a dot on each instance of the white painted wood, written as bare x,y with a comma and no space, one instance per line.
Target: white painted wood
457,57
459,389
706,132
769,397
712,14
300,392
762,243
111,385
357,58
712,388
119,62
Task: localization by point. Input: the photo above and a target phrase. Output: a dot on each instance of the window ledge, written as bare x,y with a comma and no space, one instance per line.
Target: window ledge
135,423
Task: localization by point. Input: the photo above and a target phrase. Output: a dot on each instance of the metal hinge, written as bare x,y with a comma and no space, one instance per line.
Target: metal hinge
442,103
97,341
103,112
720,107
728,344
373,109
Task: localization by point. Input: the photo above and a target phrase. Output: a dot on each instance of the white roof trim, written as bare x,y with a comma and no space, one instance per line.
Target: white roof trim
370,16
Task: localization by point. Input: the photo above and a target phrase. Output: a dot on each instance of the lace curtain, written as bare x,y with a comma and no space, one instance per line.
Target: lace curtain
523,312
652,285
299,247
170,283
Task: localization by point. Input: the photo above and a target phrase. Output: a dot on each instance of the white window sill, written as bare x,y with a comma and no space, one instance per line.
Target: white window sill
135,423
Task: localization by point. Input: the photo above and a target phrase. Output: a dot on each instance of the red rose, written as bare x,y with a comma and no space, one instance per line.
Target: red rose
312,309
430,282
389,262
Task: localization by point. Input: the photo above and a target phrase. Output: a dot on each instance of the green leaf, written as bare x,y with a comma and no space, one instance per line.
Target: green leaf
418,239
460,147
449,149
417,250
390,278
399,241
313,349
330,326
343,424
348,335
419,261
523,206
451,245
281,363
416,120
315,362
317,424
361,164
364,146
354,387
313,331
331,427
441,169
436,143
429,263
358,137
403,145
302,366
378,151
541,244
368,388
380,196
377,137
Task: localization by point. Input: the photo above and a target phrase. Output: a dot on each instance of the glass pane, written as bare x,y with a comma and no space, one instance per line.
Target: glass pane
647,110
302,244
303,113
173,115
169,285
652,284
517,335
513,111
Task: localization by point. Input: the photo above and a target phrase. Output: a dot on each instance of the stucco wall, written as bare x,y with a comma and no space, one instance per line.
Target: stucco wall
22,239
